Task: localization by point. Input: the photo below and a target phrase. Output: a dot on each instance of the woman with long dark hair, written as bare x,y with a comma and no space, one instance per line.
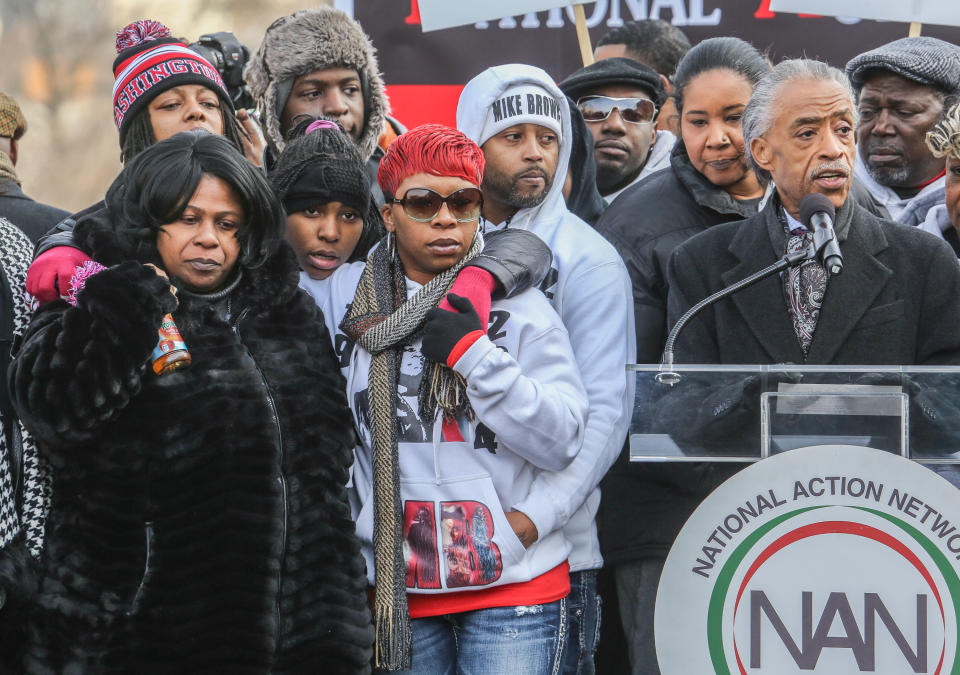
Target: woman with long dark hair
199,519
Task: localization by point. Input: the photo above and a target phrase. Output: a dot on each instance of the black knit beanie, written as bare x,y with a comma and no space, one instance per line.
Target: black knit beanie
321,166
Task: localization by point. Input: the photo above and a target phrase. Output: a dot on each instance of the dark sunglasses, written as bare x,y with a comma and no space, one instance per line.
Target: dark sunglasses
632,110
423,204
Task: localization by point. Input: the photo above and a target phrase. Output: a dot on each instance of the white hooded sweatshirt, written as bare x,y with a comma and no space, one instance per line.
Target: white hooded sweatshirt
530,410
590,289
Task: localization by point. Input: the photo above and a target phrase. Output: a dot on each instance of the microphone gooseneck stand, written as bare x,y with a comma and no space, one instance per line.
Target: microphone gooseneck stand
666,374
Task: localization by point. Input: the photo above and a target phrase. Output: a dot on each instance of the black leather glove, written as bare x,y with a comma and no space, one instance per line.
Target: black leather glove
443,329
699,412
517,259
934,414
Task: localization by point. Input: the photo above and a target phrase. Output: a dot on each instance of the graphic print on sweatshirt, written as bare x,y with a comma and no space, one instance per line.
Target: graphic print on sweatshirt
411,426
470,557
455,533
343,347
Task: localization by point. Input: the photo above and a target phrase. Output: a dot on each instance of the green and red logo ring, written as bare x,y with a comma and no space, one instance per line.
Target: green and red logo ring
853,528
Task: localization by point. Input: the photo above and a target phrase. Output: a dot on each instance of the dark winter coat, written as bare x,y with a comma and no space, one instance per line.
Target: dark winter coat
651,219
199,520
61,234
644,505
34,218
897,301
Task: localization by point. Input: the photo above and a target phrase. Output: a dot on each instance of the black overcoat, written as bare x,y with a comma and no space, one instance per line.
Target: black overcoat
897,301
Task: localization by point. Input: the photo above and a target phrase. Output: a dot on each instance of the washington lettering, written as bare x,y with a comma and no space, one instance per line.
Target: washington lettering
147,79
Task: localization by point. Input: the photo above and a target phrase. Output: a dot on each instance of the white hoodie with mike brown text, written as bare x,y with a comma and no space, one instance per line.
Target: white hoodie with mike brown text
590,289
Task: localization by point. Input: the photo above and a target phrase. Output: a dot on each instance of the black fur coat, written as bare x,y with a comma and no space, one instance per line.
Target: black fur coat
199,520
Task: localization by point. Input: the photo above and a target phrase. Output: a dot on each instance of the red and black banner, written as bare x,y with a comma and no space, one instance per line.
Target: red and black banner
426,71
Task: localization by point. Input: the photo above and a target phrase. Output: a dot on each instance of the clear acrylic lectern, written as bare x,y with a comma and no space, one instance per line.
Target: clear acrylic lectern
745,413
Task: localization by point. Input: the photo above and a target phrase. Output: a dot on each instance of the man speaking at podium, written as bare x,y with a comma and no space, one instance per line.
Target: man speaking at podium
890,297
897,300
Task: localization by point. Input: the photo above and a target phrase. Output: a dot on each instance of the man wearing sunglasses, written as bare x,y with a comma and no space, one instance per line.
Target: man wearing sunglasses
521,120
620,100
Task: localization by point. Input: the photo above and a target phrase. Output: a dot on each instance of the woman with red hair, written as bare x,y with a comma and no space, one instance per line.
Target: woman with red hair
455,421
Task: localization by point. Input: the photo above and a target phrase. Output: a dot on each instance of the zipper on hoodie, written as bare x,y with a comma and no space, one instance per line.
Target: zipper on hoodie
283,481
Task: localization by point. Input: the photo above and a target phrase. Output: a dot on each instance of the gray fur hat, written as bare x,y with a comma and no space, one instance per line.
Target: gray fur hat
309,40
924,60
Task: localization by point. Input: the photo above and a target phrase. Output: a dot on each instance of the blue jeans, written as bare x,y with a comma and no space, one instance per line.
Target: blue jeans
583,612
522,640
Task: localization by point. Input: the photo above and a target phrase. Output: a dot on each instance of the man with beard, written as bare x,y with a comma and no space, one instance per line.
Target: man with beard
897,301
520,118
901,90
620,100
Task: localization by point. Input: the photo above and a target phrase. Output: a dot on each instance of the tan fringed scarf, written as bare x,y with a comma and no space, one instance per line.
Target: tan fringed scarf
381,321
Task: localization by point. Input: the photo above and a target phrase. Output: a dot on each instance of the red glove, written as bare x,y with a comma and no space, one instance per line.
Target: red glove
49,276
476,285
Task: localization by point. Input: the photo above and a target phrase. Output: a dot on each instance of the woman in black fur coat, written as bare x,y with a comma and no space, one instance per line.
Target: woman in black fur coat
199,520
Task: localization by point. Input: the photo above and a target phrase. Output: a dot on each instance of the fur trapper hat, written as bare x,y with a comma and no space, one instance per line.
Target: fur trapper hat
310,40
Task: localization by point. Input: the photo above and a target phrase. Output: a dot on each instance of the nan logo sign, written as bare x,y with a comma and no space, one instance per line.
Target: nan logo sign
833,559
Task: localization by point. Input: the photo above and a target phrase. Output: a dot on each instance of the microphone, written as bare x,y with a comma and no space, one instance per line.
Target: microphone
817,213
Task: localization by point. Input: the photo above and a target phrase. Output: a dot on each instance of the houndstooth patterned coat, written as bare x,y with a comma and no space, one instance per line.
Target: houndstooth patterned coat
24,512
